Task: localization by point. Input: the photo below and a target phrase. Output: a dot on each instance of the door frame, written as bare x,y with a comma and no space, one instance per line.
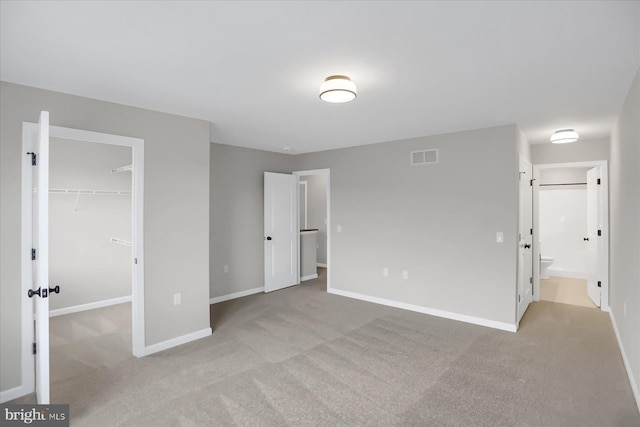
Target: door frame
523,234
327,173
137,287
603,248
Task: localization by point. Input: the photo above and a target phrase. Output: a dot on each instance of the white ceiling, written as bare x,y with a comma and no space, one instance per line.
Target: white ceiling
254,68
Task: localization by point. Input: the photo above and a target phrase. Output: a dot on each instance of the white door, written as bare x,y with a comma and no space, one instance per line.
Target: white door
525,238
280,231
592,238
40,265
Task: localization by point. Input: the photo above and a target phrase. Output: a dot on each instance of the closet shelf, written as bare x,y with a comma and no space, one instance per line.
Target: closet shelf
94,192
123,169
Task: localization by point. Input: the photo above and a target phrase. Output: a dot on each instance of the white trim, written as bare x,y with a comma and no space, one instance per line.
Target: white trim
634,385
306,216
235,295
326,172
14,393
604,243
174,342
89,306
426,310
320,264
309,277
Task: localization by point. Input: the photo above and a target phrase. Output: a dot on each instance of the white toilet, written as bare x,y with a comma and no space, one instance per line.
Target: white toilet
545,263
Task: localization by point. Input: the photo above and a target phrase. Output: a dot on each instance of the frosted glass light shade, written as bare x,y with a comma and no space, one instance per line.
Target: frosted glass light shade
564,136
338,89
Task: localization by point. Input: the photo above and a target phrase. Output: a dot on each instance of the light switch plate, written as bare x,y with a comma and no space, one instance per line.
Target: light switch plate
499,237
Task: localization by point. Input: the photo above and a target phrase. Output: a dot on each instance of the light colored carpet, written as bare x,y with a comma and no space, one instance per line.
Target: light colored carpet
566,291
301,357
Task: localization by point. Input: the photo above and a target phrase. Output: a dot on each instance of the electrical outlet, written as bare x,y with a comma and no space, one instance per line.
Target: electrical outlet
385,272
177,299
499,237
226,268
405,274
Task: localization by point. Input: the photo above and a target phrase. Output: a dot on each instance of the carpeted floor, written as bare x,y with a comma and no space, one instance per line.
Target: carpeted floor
300,356
566,291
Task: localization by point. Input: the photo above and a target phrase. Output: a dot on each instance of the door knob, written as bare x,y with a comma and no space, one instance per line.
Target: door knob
268,238
44,292
586,239
527,246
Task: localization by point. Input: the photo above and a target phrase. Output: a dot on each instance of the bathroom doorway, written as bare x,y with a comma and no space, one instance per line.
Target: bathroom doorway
570,207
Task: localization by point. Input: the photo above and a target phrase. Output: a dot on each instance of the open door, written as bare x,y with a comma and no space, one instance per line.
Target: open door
280,231
40,290
593,233
525,238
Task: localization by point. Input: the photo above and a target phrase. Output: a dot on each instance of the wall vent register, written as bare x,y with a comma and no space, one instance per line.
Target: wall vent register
424,157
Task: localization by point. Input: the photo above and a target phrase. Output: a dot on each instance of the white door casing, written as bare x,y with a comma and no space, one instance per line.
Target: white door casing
592,242
525,238
281,232
40,265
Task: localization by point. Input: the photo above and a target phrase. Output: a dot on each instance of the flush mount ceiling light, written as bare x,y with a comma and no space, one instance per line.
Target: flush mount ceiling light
338,89
564,136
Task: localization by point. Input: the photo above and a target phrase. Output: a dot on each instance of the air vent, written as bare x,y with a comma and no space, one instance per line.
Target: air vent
424,157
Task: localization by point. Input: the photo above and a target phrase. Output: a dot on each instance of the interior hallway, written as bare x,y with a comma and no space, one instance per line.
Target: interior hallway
300,356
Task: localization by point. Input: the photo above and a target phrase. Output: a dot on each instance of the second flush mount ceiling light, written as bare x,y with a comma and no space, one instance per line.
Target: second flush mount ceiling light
564,136
338,89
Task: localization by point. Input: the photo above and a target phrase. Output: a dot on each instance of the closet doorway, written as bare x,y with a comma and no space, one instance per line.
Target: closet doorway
75,189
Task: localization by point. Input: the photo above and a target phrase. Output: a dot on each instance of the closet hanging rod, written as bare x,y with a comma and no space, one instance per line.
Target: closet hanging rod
93,192
569,183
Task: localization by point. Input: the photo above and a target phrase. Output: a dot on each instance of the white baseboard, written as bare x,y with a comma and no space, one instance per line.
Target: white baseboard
309,277
235,295
321,264
15,392
174,342
426,310
89,306
634,385
570,274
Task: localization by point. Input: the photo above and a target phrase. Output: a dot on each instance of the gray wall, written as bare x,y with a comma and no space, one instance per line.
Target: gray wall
438,221
624,184
82,259
237,220
581,151
176,217
317,211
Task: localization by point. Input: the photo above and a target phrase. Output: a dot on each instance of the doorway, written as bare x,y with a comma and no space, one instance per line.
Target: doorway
571,261
316,198
36,139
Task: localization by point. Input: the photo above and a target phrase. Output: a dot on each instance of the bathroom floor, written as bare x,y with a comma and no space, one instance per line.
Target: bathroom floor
566,291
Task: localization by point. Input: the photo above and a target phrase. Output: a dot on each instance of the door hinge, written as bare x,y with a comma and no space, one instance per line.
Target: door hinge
33,349
531,231
598,181
599,232
33,158
33,254
518,298
599,284
531,182
531,280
